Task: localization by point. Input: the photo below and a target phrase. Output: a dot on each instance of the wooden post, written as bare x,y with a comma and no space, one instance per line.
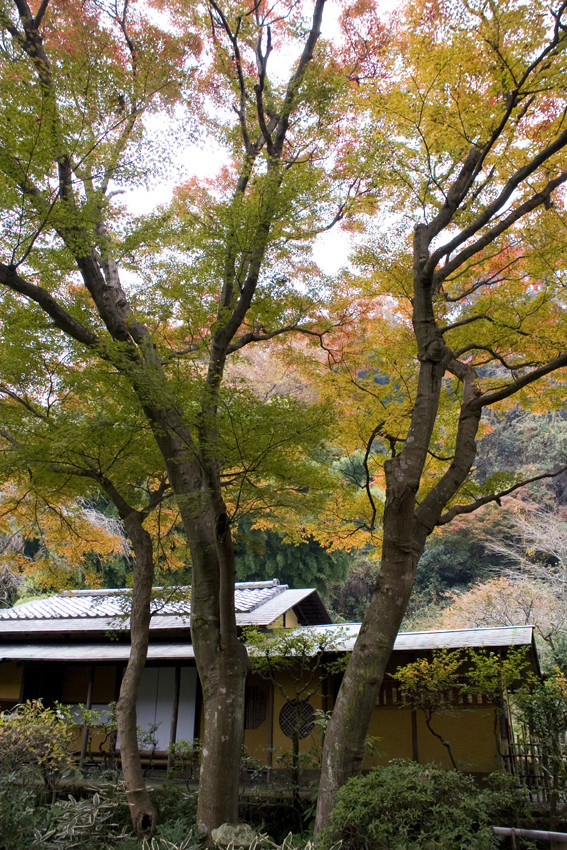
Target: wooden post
270,730
174,715
89,703
414,741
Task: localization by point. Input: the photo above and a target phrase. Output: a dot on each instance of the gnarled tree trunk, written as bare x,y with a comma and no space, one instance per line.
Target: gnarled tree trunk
222,664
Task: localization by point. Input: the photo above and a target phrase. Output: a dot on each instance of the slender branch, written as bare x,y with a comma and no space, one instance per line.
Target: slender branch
456,510
243,96
155,497
537,200
37,412
476,157
261,335
521,382
463,322
367,486
297,78
6,435
40,13
262,61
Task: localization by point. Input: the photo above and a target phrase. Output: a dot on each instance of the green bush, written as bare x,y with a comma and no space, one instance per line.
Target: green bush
175,803
19,815
35,738
409,806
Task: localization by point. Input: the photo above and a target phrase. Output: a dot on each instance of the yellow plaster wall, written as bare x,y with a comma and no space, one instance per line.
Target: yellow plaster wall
10,680
281,742
288,620
470,730
393,727
256,741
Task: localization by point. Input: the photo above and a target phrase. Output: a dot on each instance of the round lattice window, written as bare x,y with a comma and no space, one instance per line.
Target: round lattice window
297,717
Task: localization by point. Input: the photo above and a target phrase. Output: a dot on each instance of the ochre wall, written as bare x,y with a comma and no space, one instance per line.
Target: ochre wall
10,681
256,741
469,728
286,621
393,728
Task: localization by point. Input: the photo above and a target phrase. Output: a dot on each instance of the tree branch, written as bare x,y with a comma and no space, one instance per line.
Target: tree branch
367,487
539,199
495,356
456,510
521,382
61,318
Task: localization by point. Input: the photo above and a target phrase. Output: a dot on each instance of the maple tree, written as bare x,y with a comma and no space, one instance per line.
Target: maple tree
79,86
464,138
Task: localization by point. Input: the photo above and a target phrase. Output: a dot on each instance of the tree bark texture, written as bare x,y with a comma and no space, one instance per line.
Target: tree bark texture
222,664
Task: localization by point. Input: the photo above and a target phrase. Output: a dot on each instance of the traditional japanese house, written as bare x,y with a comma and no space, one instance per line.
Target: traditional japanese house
73,648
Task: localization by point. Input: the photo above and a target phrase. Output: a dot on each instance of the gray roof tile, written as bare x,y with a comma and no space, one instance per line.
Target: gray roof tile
256,603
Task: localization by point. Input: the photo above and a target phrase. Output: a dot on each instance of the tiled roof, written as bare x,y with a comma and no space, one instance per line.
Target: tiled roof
501,637
113,603
439,639
256,603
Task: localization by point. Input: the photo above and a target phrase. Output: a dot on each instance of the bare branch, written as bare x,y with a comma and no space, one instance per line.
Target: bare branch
522,381
456,510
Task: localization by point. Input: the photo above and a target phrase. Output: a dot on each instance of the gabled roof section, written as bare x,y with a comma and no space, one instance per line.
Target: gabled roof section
490,638
256,603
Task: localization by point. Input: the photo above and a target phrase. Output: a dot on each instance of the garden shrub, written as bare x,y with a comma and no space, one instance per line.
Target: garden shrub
19,815
410,806
37,739
268,813
174,803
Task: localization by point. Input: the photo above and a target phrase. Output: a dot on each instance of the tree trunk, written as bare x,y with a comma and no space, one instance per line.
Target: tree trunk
221,658
222,664
346,733
223,704
142,811
406,526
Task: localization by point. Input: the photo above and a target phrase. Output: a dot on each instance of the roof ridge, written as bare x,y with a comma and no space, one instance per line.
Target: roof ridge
468,629
277,590
95,591
258,585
